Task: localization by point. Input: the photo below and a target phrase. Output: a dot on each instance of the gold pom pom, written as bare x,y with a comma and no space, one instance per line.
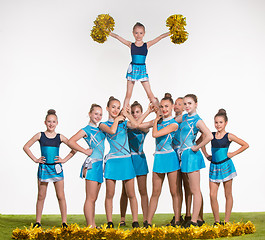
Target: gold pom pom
176,24
104,24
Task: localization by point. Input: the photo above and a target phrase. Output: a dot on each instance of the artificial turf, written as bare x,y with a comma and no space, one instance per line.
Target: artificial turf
10,222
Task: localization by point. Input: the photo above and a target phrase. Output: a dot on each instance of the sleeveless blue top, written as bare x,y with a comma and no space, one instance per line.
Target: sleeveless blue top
49,147
95,140
220,148
136,140
139,54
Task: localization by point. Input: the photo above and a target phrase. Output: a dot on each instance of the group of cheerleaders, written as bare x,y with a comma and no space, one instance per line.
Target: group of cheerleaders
177,152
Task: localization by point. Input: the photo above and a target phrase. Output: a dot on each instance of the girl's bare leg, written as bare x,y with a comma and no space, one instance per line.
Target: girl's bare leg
213,197
157,182
129,187
229,199
141,180
42,190
110,190
130,85
188,195
59,188
123,203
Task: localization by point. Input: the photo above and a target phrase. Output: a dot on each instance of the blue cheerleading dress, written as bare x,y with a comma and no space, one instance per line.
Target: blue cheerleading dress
136,142
118,162
190,161
137,68
94,163
50,171
166,159
222,168
176,140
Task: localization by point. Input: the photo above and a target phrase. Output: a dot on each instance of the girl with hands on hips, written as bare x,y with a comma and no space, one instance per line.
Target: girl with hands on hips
50,167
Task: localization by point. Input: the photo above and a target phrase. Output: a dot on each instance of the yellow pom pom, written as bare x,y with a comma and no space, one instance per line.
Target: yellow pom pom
104,24
176,24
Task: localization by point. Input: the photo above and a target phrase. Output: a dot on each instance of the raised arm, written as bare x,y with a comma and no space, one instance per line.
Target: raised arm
157,39
207,136
114,126
58,159
26,149
122,40
239,141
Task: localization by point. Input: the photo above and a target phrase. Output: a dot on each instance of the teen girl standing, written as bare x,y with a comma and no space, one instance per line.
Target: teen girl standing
190,156
222,168
165,161
92,169
50,165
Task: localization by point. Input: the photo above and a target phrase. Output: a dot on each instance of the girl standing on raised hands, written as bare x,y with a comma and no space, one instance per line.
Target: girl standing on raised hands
92,169
50,167
190,156
118,162
222,168
137,68
136,141
165,161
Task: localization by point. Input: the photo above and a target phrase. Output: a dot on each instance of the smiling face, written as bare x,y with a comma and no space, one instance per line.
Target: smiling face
166,107
220,123
114,109
51,122
179,106
138,33
96,115
189,105
136,112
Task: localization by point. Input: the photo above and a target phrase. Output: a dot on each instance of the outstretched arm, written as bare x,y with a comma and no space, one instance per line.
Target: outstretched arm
154,41
122,40
239,141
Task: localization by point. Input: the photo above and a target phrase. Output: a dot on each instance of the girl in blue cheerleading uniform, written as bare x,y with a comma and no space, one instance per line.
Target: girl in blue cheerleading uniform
50,165
92,169
222,168
136,142
189,155
165,160
118,162
137,68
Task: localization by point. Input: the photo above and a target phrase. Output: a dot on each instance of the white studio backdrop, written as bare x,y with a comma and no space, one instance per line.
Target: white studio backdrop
48,60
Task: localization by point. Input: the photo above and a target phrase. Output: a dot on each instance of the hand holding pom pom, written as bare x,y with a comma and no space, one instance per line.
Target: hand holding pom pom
176,24
104,24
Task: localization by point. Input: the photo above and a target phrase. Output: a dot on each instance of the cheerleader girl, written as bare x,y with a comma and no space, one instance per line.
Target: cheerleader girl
118,162
92,169
189,154
165,161
50,165
137,69
222,168
136,141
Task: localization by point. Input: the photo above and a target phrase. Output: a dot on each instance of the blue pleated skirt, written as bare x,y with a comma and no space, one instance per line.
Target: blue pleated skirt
137,73
166,162
191,161
222,172
95,173
50,173
119,169
140,164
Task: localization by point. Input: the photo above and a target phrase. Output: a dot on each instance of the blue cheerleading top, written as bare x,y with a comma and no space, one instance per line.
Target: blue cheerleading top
220,149
164,143
188,131
136,140
118,141
49,147
176,138
139,54
95,140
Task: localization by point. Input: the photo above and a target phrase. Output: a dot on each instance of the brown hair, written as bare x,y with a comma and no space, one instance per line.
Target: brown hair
136,104
193,96
168,97
94,105
138,25
221,113
50,112
112,99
